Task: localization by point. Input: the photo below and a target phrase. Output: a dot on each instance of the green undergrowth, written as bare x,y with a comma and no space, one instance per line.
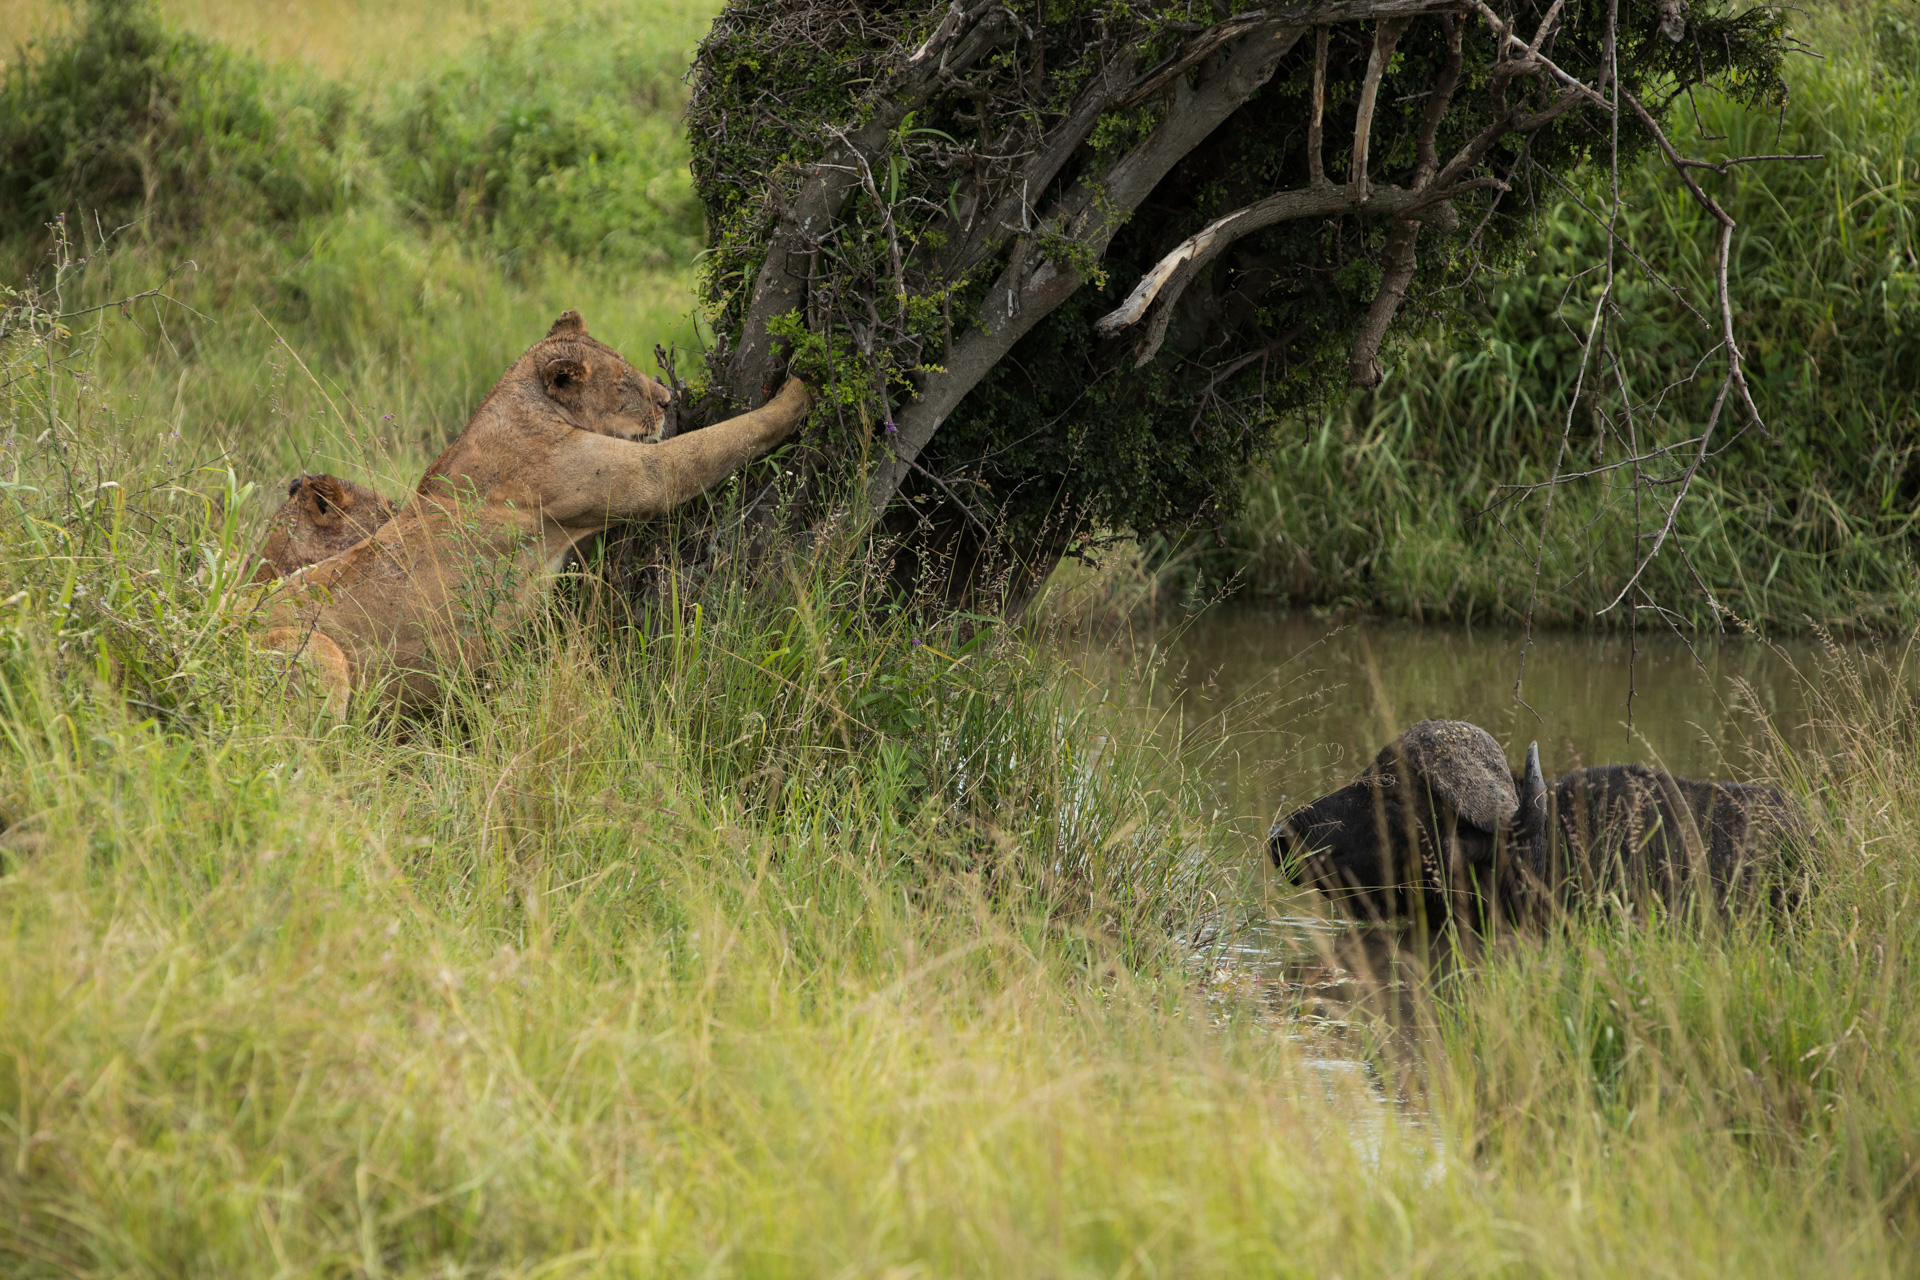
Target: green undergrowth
766,933
558,136
1393,502
769,934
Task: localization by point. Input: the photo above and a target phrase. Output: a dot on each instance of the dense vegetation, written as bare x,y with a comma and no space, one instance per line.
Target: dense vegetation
1071,429
1393,501
753,936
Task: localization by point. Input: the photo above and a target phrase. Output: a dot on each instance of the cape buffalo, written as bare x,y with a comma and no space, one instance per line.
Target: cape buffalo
1437,826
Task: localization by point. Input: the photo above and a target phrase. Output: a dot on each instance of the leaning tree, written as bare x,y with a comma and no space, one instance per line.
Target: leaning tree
1060,267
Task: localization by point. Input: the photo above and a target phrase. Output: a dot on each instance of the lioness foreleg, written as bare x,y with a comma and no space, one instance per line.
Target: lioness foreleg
600,478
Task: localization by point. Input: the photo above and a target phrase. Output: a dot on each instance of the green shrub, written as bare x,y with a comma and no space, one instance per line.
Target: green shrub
127,117
565,137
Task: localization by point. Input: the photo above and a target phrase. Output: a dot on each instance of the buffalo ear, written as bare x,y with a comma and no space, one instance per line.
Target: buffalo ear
564,378
1461,764
571,324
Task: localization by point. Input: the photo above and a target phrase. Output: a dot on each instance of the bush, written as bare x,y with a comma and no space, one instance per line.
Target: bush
127,117
589,162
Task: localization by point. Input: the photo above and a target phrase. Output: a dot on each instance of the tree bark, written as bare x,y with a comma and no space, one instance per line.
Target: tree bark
1087,217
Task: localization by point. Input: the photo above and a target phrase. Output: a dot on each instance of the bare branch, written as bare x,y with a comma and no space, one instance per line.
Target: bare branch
1724,166
1532,58
1088,215
1363,365
1170,276
1316,164
1400,260
1386,34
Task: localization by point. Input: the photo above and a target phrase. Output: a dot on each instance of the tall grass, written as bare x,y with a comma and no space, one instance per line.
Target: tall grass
768,933
1393,502
759,939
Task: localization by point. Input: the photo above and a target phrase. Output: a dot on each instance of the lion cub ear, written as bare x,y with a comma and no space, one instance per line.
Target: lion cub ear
570,325
564,379
328,491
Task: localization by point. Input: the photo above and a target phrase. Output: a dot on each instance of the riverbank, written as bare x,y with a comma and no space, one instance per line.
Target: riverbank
770,942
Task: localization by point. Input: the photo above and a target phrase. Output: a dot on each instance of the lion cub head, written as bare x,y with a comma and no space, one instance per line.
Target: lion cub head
322,516
594,385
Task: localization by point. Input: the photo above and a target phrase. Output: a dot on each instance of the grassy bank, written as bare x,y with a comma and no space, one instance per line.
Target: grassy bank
1393,503
350,260
754,940
757,937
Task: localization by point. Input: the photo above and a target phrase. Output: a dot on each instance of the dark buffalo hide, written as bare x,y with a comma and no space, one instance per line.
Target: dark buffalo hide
1437,828
1631,834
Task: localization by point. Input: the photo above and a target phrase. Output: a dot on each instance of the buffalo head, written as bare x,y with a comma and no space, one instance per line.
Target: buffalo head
1423,831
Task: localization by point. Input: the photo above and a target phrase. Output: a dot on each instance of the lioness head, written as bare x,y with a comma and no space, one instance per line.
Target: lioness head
322,516
594,385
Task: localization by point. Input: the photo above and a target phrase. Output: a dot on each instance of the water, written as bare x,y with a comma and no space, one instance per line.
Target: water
1277,709
1281,707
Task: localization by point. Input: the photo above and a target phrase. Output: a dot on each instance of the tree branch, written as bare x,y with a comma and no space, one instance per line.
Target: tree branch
1170,277
1316,145
1386,34
964,35
1088,216
998,226
1400,259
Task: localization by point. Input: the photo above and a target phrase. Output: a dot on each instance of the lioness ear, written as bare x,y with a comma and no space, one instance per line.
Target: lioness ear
564,378
570,325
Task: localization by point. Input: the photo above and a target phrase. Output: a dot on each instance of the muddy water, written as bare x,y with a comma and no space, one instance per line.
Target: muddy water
1277,709
1280,708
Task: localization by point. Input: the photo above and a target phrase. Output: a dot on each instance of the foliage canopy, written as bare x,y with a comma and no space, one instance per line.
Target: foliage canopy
1064,430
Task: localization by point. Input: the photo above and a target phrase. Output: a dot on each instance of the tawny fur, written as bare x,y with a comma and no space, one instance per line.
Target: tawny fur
552,456
322,516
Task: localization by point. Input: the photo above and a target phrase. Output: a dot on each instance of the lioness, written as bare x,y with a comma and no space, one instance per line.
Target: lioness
550,457
322,516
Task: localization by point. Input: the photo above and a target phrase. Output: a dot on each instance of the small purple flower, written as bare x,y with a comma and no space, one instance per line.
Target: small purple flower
891,429
386,417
